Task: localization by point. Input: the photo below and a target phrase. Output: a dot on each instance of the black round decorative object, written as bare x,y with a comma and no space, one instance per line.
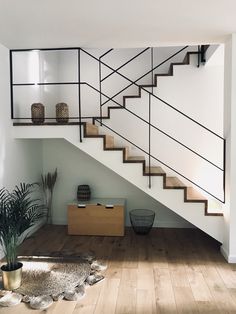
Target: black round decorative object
83,193
142,220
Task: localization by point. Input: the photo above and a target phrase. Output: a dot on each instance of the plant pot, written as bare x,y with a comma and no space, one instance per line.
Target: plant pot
12,278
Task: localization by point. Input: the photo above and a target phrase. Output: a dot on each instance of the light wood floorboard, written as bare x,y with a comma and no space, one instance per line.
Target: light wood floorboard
168,271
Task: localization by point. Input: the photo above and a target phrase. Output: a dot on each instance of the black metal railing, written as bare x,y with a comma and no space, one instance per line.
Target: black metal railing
143,88
99,119
142,76
160,161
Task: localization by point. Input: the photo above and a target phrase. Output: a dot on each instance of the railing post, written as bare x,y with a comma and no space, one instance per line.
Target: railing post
149,142
224,168
11,86
100,89
203,53
149,125
79,96
198,56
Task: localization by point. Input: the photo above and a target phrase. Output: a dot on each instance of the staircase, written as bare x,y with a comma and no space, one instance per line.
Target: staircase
169,183
169,190
130,108
146,87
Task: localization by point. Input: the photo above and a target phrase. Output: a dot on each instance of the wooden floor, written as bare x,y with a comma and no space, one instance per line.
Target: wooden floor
168,271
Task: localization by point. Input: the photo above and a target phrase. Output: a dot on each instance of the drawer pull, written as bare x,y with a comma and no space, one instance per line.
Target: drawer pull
109,206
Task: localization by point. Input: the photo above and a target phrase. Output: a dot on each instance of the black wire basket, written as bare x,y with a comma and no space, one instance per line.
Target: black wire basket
142,220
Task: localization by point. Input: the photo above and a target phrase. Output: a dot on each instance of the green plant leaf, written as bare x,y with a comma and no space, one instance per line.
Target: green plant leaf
18,212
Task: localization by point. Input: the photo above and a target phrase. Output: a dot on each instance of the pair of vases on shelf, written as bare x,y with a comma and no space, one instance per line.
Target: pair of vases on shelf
38,113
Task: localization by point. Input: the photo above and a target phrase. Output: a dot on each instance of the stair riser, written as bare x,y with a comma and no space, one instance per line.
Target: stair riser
91,129
109,142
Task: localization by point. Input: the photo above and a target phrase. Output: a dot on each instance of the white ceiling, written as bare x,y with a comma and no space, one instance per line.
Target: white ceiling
114,23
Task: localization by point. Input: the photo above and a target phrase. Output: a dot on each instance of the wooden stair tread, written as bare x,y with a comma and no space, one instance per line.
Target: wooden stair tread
174,182
154,170
162,74
194,195
134,158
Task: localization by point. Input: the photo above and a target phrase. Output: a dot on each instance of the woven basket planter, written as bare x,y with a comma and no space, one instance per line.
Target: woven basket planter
37,113
62,113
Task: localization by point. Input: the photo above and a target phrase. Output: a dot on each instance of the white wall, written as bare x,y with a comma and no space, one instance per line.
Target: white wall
20,160
75,168
36,67
229,245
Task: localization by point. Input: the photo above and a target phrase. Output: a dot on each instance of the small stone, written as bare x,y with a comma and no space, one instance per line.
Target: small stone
80,291
58,297
92,279
71,295
41,302
11,299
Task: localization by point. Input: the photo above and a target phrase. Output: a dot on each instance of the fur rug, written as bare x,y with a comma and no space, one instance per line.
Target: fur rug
48,279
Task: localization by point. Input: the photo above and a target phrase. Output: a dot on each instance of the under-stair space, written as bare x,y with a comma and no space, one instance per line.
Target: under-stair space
132,171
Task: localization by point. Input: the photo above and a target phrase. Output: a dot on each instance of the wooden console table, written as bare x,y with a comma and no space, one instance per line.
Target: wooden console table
98,216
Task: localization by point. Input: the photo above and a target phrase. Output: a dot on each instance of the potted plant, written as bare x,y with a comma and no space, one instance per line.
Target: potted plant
18,212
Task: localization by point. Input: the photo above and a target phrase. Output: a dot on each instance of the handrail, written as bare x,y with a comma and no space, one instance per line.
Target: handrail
163,163
105,53
151,71
159,130
142,88
127,62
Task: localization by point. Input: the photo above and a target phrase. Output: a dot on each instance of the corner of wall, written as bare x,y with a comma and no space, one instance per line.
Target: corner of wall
229,258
